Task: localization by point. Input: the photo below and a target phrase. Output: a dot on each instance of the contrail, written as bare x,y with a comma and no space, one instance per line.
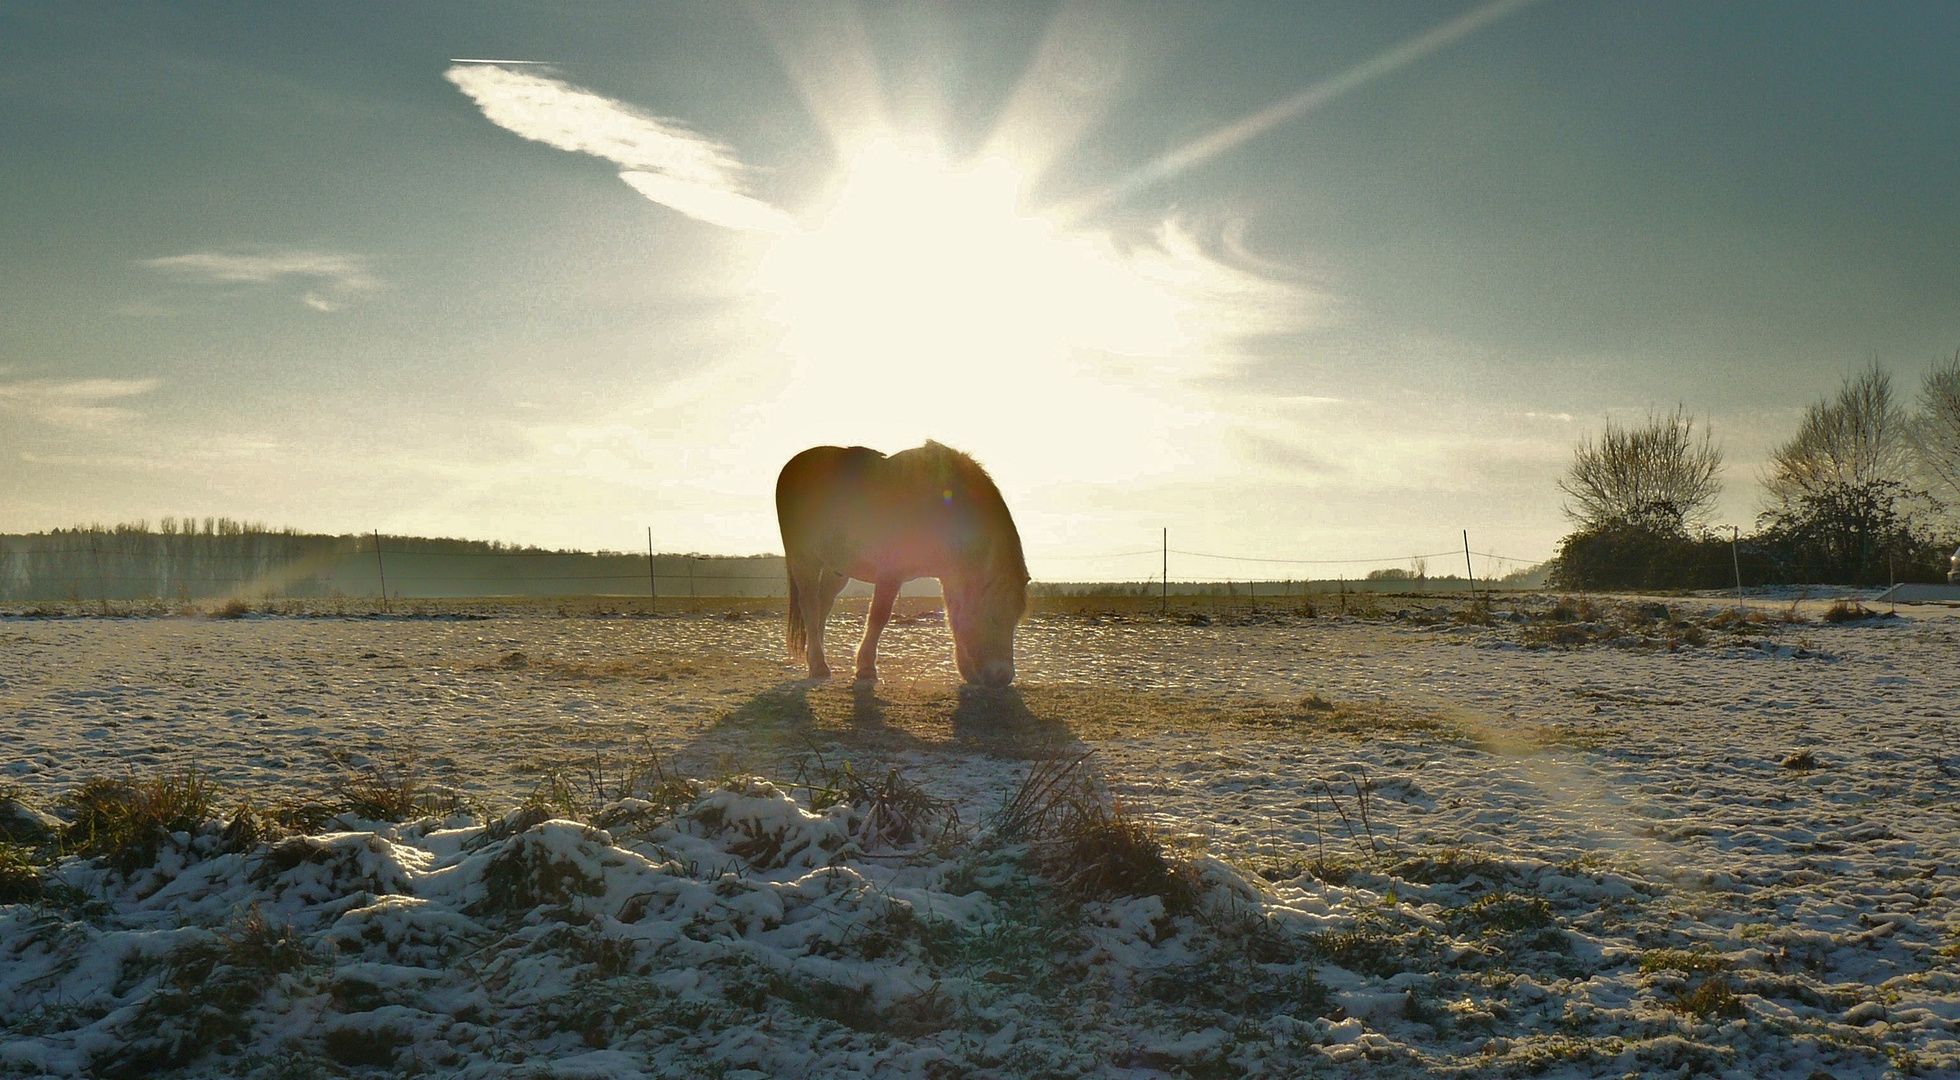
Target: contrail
474,60
1305,101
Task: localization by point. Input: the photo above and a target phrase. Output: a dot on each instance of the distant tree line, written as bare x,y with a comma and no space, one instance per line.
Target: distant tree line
192,559
1865,492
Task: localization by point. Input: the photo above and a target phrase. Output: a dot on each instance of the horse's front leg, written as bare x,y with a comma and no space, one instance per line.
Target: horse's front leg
874,625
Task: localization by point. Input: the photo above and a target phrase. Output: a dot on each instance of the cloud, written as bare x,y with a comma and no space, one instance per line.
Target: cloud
73,403
1289,456
663,159
331,276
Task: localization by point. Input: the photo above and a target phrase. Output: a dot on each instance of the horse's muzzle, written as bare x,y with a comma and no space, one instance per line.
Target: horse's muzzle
995,675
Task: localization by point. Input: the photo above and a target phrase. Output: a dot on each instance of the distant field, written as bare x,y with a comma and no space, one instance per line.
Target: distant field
1331,602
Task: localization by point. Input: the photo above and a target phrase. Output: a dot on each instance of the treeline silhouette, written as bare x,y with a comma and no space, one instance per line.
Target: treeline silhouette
198,559
1865,492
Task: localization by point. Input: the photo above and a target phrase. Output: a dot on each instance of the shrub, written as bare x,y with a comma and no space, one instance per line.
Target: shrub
1864,532
1846,508
1621,556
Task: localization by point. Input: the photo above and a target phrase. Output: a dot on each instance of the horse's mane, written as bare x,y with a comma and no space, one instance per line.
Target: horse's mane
970,479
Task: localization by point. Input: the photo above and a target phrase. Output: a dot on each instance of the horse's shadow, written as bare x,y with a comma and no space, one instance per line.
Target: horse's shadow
1001,721
800,714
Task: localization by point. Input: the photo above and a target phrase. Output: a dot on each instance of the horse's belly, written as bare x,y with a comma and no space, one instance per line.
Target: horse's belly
901,562
886,571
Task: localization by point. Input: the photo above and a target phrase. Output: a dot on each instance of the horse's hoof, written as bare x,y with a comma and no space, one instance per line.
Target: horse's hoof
819,674
864,682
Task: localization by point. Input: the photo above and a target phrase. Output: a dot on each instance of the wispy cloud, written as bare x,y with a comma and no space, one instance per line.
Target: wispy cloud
73,403
663,159
330,277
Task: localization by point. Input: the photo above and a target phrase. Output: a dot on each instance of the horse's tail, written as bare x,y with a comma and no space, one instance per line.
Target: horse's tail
793,634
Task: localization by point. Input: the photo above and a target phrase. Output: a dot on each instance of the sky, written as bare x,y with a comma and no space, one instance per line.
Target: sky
1294,281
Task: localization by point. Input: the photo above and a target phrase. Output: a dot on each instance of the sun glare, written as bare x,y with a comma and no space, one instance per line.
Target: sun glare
929,299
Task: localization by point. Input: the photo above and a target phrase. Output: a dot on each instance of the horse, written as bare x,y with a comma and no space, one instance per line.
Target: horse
932,511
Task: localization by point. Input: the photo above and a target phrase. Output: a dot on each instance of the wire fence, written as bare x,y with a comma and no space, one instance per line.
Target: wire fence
81,565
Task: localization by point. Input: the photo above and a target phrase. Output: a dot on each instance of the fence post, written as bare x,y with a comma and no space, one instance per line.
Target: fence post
1471,574
101,583
690,582
1735,553
1164,606
653,589
382,568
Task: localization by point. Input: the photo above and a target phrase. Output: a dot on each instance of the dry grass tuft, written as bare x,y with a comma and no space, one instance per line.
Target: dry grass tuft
1802,761
1087,845
126,822
1740,620
252,825
634,792
394,792
1452,866
20,875
1844,611
1701,959
1503,912
1107,854
897,812
1711,998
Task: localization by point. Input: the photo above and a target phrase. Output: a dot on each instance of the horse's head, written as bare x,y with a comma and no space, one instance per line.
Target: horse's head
984,614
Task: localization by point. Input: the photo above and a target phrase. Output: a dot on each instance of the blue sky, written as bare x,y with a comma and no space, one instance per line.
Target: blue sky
289,262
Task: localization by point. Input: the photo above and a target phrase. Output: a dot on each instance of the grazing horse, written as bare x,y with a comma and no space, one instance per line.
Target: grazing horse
852,512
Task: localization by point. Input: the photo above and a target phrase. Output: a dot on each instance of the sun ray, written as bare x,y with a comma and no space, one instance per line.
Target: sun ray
1296,105
823,49
1080,68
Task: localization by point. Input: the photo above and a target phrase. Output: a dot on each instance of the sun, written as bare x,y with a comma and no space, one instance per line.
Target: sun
931,299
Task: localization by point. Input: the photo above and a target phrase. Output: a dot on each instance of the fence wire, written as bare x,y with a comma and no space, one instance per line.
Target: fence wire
146,566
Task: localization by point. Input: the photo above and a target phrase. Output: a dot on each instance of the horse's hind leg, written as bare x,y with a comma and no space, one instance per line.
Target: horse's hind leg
874,625
820,593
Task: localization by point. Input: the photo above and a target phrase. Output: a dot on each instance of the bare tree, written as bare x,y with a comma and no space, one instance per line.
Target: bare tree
1846,506
1662,476
1936,430
1857,438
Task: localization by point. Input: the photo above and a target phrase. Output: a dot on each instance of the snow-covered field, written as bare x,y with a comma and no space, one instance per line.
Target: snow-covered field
1603,840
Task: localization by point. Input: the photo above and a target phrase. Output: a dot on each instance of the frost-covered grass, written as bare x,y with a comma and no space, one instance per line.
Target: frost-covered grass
739,929
1399,845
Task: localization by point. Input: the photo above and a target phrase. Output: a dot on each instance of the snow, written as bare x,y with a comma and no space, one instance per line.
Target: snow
1584,861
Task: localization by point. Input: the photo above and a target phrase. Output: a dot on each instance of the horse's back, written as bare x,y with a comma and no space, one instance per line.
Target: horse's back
922,512
822,490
